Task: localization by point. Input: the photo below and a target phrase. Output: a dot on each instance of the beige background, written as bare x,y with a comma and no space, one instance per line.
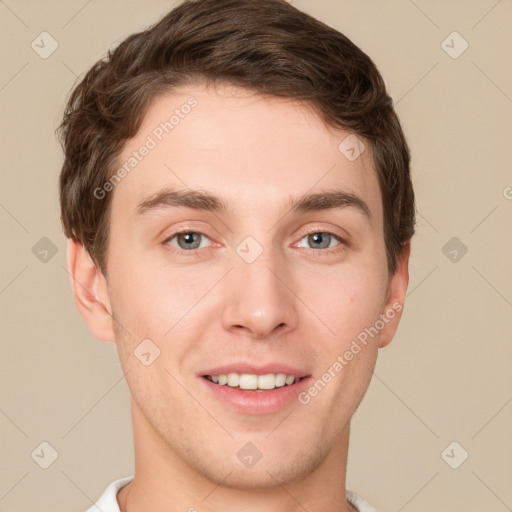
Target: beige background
446,377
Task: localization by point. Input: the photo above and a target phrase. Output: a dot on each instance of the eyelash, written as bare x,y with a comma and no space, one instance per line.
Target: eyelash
331,251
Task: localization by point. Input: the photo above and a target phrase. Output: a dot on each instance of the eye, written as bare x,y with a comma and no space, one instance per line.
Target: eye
192,241
187,240
321,240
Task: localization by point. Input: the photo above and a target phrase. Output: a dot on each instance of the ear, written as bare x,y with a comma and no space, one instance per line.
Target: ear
90,292
397,288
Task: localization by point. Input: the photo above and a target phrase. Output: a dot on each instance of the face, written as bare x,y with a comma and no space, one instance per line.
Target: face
215,262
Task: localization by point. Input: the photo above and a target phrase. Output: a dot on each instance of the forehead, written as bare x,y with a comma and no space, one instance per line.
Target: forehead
254,151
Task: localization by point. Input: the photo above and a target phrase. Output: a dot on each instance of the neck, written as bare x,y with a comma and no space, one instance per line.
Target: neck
163,481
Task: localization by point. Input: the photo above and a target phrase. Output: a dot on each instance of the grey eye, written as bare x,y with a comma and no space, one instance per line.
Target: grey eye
188,240
319,240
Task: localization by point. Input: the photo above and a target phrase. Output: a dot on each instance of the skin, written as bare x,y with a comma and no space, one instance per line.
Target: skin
296,304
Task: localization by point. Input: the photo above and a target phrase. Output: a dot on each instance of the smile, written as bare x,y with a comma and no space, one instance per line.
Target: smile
253,382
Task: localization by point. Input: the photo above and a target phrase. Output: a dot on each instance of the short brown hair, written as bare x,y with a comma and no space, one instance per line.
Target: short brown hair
267,46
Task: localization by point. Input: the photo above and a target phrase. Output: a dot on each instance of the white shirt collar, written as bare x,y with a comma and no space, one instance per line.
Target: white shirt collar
108,500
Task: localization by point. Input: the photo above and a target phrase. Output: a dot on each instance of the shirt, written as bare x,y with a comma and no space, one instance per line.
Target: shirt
108,500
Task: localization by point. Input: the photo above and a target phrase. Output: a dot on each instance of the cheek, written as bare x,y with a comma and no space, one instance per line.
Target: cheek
138,288
346,301
159,302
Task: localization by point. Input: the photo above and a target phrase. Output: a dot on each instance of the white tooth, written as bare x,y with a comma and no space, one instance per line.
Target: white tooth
280,380
233,379
248,381
267,381
254,382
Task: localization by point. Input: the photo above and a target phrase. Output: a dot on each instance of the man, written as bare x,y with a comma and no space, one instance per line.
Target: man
239,209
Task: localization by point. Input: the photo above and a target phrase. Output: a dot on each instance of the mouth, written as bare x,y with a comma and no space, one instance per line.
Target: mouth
255,391
254,382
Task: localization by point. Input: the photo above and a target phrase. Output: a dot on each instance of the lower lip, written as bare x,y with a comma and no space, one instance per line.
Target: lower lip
258,402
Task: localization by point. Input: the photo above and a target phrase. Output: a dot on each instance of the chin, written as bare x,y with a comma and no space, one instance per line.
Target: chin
274,468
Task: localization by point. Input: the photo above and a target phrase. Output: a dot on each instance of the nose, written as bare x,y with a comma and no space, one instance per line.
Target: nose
260,300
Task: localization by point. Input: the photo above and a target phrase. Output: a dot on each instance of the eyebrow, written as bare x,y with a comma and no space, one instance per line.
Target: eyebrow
203,200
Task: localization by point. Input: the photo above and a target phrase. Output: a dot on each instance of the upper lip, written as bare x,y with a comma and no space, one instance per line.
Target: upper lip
253,369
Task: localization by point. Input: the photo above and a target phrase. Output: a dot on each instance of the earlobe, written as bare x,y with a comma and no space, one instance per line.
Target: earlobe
90,292
396,298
